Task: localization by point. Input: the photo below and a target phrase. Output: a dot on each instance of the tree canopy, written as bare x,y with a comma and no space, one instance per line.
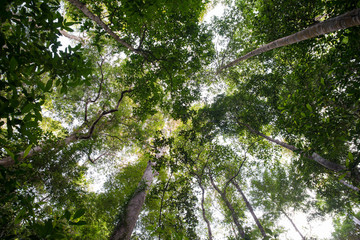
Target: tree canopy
191,129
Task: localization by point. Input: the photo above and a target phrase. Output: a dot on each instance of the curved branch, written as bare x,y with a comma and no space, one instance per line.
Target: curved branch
104,113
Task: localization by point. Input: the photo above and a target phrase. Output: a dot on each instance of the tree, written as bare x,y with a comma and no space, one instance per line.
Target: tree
241,150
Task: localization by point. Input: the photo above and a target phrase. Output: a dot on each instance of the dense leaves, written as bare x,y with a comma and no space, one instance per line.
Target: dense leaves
134,87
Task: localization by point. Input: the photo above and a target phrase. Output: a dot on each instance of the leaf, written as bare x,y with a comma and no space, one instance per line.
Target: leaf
79,223
27,151
309,107
79,213
351,157
342,176
27,108
13,64
10,153
268,231
345,40
48,85
67,215
303,114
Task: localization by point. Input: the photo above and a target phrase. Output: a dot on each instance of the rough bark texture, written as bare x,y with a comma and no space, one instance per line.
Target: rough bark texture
230,207
125,228
293,224
249,207
203,211
343,21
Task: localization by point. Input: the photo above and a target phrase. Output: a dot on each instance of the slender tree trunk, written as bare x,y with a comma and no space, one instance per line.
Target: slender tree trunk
82,7
203,210
293,224
248,205
316,157
230,207
125,228
343,21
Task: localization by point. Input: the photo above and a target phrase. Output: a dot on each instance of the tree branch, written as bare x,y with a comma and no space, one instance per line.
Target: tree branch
82,7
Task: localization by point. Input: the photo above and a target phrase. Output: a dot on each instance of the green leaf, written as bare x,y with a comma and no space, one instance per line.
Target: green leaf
67,215
345,40
79,223
303,114
351,157
13,64
342,176
27,108
309,107
268,231
10,153
27,150
48,85
79,213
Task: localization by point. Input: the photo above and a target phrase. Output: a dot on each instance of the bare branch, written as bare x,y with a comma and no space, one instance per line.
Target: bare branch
70,36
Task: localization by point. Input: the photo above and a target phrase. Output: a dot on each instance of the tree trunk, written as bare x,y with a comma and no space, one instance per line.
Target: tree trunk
248,205
124,228
203,210
343,21
230,207
292,223
82,7
316,157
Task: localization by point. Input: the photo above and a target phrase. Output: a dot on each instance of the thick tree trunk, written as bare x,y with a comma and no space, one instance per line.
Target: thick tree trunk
125,228
293,224
249,207
230,207
343,21
203,211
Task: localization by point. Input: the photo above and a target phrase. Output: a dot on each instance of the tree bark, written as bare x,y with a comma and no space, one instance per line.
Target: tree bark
293,224
349,19
230,207
249,207
315,156
124,229
203,210
82,7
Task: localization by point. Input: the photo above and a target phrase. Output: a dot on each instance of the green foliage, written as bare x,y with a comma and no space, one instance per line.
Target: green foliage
99,106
